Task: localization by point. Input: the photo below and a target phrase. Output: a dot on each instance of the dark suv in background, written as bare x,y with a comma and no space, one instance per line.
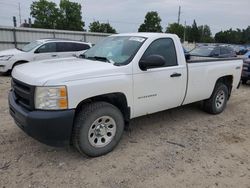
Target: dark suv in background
246,69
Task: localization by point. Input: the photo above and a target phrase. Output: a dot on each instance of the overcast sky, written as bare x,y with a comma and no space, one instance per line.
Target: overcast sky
127,15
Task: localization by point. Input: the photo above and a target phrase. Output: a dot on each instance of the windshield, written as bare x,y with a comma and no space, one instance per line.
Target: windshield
31,46
202,51
119,50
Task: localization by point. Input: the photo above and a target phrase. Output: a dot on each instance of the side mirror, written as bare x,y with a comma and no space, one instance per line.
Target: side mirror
249,56
152,61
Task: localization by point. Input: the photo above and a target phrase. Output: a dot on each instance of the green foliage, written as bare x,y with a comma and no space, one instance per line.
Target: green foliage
47,15
96,26
177,29
68,16
205,34
193,33
152,23
188,31
231,36
71,16
246,35
195,36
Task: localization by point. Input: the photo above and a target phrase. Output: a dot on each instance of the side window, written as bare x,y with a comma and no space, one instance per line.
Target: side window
164,47
224,51
81,47
216,52
47,48
230,50
71,47
64,47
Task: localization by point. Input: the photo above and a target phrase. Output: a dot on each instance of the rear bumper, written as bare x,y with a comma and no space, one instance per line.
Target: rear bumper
53,128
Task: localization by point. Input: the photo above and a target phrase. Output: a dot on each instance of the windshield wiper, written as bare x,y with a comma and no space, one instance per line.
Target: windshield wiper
99,58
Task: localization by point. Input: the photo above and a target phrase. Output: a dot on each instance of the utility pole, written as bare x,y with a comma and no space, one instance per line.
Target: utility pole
30,24
14,21
19,9
179,14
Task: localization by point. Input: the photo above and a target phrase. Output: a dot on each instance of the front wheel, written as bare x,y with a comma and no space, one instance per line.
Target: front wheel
97,129
218,101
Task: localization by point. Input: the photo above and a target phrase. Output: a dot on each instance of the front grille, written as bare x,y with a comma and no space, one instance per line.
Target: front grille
24,94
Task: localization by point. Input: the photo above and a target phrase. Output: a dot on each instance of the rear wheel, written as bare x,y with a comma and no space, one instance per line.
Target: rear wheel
98,129
218,101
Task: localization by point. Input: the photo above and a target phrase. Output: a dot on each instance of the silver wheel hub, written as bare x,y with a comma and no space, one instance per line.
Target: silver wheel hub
220,99
102,131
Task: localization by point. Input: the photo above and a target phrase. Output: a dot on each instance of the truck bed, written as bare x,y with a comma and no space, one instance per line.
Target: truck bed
203,74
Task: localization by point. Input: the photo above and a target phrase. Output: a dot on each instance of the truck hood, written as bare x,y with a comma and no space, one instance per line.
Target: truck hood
10,52
59,71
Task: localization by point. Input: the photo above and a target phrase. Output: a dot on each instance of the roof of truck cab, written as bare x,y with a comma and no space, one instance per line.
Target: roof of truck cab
147,35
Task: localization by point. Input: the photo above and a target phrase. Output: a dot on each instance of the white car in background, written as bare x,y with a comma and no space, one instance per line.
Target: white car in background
40,50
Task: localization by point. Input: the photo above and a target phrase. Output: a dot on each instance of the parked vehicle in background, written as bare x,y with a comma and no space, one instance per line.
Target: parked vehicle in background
239,49
213,51
246,55
247,47
88,101
40,50
246,68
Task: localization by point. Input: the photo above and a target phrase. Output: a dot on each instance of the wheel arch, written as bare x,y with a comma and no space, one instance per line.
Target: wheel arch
117,99
19,62
228,81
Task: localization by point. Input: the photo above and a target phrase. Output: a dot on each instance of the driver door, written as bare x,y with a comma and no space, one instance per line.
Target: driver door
163,87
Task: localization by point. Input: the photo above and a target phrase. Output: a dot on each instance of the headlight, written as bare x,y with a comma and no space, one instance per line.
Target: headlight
51,98
5,57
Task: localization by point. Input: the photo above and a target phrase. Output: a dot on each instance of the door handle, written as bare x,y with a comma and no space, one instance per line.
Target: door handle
175,75
54,55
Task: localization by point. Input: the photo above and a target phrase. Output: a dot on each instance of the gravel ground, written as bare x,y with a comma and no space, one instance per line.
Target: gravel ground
183,147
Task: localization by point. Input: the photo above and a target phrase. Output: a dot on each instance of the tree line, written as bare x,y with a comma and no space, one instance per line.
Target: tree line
195,33
68,16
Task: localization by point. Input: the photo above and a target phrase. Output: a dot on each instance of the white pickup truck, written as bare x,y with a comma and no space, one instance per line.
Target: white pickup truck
87,101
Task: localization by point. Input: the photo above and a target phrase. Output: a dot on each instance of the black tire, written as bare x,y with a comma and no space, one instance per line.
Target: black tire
214,104
85,121
8,73
244,81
